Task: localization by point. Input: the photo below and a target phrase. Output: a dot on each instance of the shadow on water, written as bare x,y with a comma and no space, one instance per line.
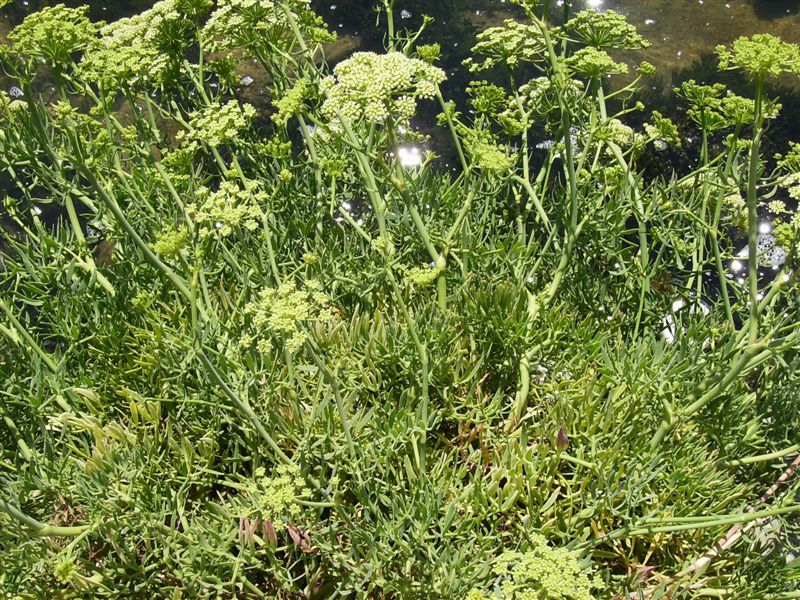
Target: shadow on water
108,10
775,9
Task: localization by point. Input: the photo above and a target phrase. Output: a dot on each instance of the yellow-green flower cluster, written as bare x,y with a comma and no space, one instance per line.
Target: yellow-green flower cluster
54,34
170,243
291,102
178,162
542,96
275,498
248,23
539,95
421,277
736,206
487,98
712,107
430,53
376,87
788,233
283,311
63,111
607,29
761,56
594,63
135,50
219,124
275,148
662,128
615,131
738,110
777,207
541,573
790,162
792,185
510,44
488,155
646,68
230,207
65,570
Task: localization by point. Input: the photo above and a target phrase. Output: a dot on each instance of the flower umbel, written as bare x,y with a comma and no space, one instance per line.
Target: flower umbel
54,34
254,24
595,63
511,44
607,29
662,129
283,312
543,572
230,207
376,87
139,50
760,56
217,125
274,498
291,102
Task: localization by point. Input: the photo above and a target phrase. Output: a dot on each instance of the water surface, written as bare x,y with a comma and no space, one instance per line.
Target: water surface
681,31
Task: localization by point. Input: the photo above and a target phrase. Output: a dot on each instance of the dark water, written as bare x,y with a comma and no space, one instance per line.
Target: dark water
682,32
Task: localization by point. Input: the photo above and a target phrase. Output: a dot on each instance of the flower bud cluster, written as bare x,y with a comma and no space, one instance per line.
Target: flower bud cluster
541,572
54,34
170,243
663,129
542,96
430,53
230,207
283,311
247,23
376,87
510,44
486,154
616,132
487,98
219,124
135,50
792,185
736,206
593,63
291,102
422,277
607,29
275,498
761,56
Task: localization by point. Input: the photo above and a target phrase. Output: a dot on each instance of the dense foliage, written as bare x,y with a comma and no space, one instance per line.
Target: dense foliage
293,355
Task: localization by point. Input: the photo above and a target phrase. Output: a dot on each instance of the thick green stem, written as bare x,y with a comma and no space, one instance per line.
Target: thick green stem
752,211
243,407
749,356
333,381
39,529
32,343
750,460
534,199
453,132
700,524
713,230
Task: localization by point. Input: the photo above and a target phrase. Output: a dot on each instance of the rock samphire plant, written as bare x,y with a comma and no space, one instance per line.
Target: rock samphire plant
284,351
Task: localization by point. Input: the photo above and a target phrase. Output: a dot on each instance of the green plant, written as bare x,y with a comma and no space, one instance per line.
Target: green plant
242,363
